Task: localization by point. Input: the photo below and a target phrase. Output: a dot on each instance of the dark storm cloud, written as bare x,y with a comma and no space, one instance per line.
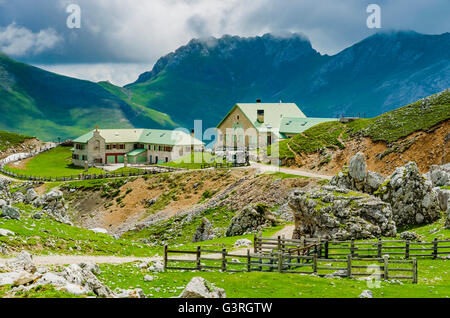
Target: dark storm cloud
140,31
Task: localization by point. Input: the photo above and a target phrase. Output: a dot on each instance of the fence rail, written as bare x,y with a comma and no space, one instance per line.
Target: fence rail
281,262
329,249
106,175
223,165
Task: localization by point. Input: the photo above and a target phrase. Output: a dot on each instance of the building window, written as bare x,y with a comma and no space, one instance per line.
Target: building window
121,146
75,157
84,157
167,159
98,160
79,147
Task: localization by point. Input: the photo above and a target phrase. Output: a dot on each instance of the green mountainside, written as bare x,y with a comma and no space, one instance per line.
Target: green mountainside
47,105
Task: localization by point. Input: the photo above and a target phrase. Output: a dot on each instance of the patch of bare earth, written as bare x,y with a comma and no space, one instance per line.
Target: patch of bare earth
90,210
27,146
424,148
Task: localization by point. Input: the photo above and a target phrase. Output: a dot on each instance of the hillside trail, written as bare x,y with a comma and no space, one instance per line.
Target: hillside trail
46,260
269,168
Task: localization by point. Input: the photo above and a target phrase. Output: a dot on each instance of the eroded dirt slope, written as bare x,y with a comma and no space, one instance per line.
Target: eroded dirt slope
425,148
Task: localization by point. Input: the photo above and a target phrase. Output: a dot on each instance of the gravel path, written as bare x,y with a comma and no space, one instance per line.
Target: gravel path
268,168
75,259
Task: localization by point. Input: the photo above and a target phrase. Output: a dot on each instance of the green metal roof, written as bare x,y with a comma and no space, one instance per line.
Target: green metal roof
294,125
136,152
147,136
273,114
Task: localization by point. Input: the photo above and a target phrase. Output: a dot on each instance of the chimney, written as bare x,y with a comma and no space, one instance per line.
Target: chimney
258,101
260,115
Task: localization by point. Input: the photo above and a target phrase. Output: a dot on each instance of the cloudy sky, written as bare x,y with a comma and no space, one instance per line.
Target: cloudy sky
120,39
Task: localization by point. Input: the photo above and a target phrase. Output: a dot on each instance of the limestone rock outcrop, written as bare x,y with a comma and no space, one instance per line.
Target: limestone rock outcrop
356,177
338,213
204,232
252,218
411,196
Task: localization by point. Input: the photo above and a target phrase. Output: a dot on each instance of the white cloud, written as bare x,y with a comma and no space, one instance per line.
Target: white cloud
117,73
19,41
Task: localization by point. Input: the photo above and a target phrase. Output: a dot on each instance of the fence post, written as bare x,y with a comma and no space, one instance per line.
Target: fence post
198,258
165,257
414,262
255,243
326,249
320,247
248,261
435,248
279,243
386,269
224,260
380,245
407,249
315,264
349,266
280,262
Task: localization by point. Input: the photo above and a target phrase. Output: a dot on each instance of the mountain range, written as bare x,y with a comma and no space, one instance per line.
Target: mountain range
206,77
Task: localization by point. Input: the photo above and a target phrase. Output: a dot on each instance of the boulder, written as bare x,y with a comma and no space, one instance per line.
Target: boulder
4,232
22,262
443,196
9,278
3,203
156,266
366,294
130,293
51,279
357,167
341,214
411,196
99,230
74,289
355,177
30,196
148,278
252,218
53,195
243,243
23,278
10,212
198,287
204,232
439,175
411,236
84,277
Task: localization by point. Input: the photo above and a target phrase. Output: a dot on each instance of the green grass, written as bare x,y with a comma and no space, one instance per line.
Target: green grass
47,236
56,162
42,291
433,282
193,161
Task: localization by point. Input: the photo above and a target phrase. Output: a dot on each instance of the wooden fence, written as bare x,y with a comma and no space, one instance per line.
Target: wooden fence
329,249
281,262
82,176
223,165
